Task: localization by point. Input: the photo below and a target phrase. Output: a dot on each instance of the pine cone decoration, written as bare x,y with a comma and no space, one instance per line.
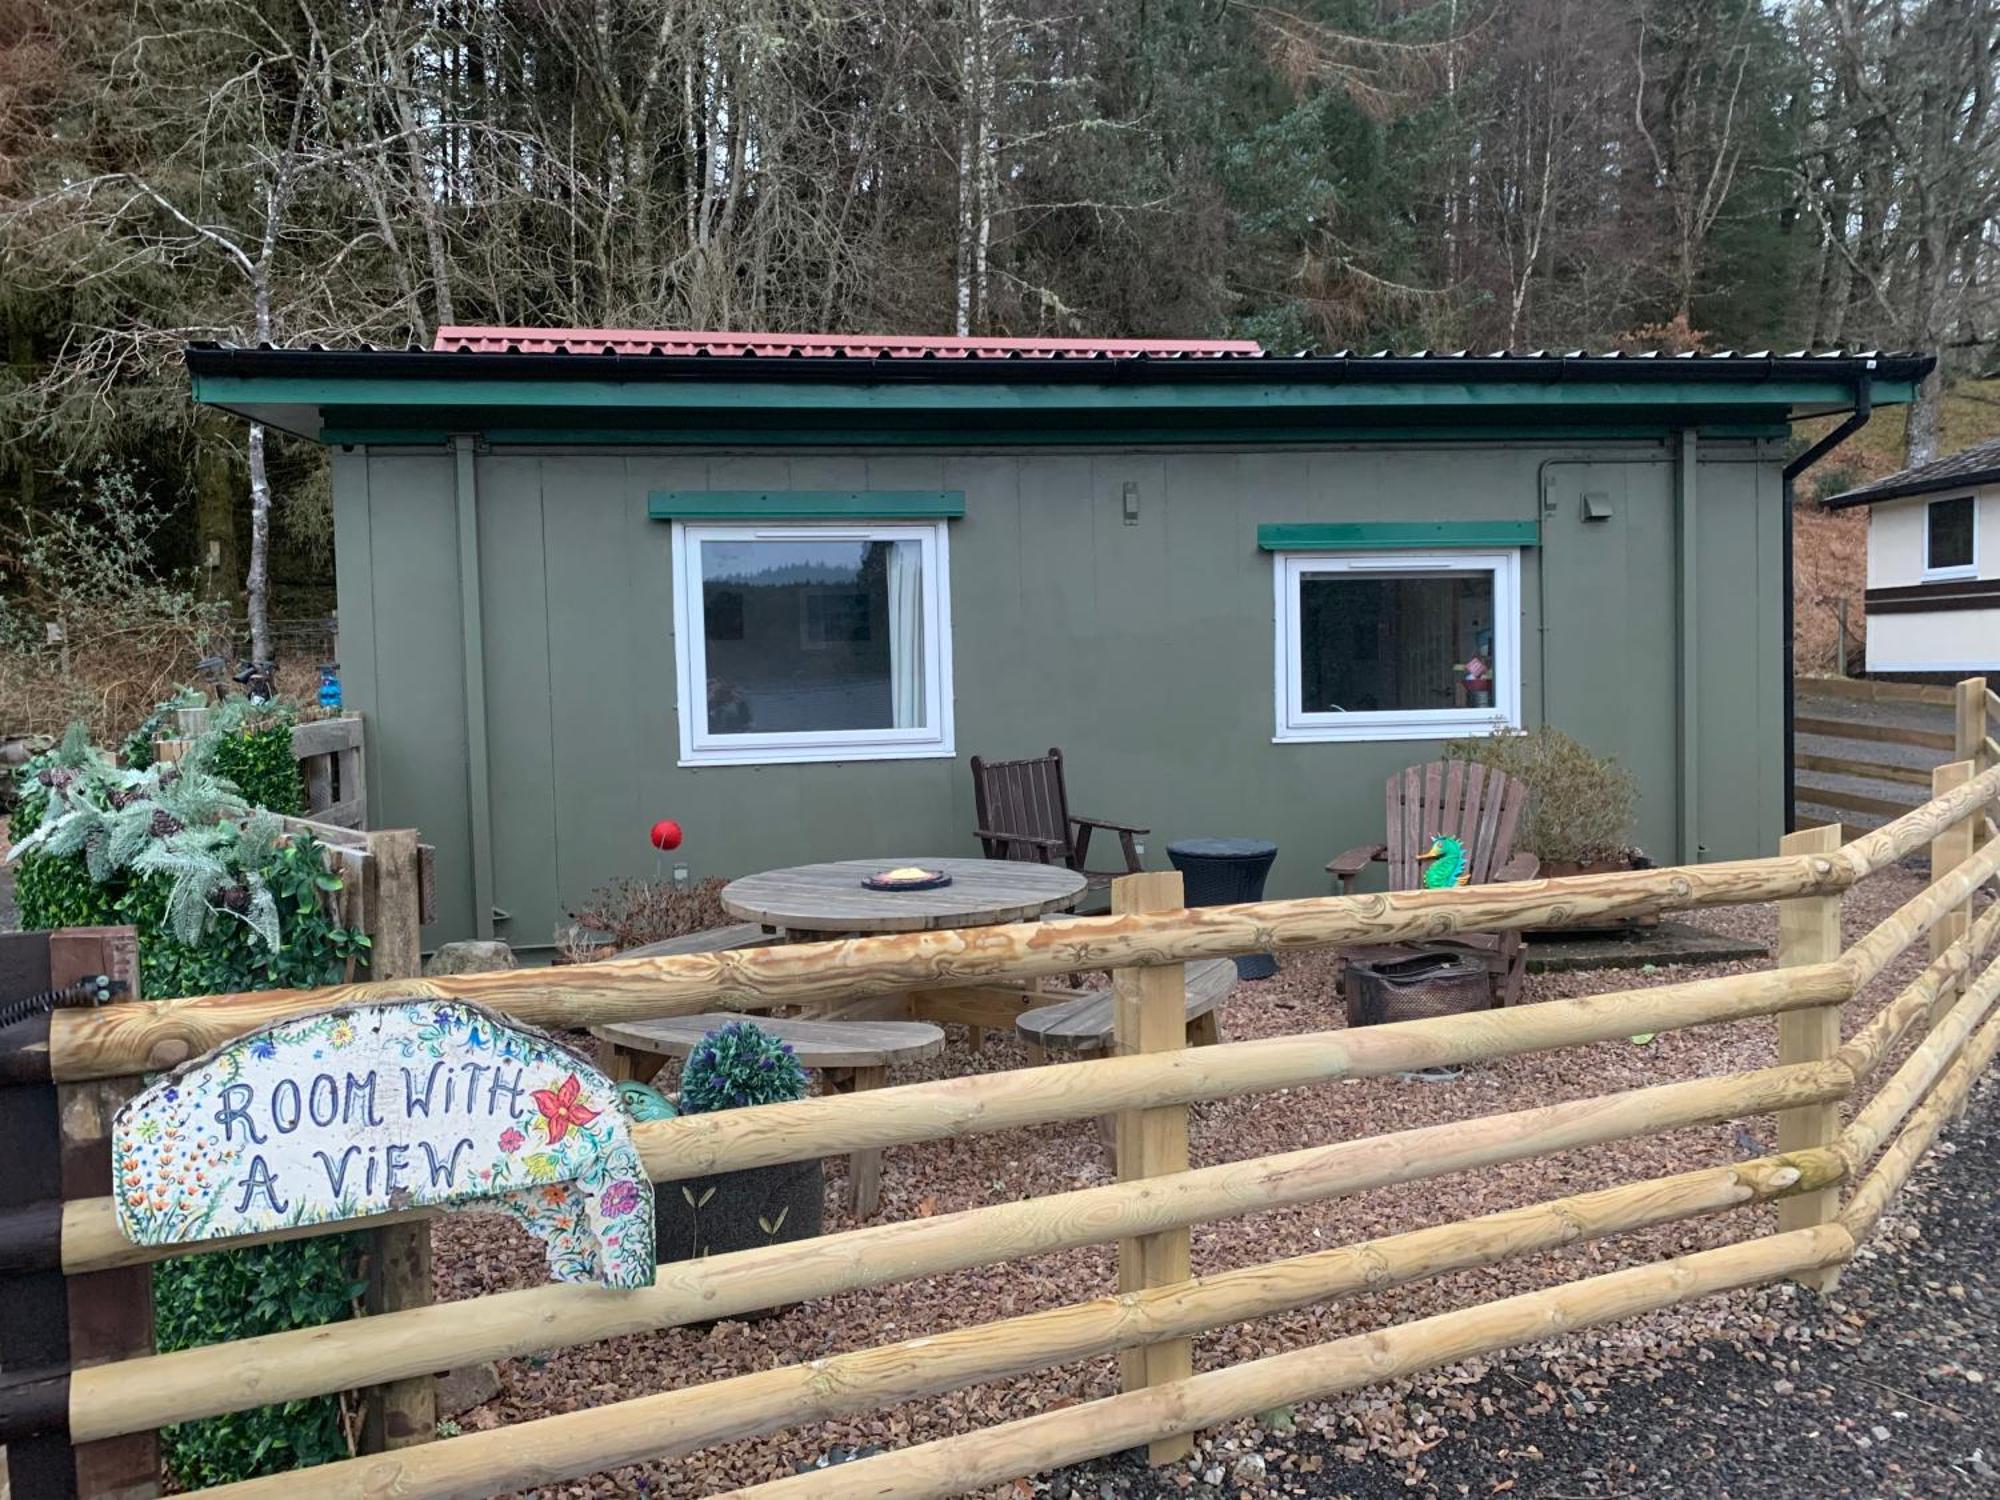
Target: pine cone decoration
164,824
121,798
235,897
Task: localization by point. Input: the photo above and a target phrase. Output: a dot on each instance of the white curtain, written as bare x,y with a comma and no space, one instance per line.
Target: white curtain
906,634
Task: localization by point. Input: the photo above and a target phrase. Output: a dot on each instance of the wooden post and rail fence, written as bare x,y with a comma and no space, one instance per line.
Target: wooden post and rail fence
1834,1172
1962,742
63,1141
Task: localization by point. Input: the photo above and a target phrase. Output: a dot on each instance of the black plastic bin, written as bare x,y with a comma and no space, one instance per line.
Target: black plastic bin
1224,872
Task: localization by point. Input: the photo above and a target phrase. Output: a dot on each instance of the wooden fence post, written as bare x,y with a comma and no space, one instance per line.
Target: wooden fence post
34,1303
1149,1014
403,1412
110,1312
1951,848
1809,933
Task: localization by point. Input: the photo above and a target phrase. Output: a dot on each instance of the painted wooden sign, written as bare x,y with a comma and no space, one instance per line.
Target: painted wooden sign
372,1108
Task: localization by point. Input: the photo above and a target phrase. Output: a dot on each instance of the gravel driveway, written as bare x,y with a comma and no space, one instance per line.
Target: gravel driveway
1898,715
1890,1387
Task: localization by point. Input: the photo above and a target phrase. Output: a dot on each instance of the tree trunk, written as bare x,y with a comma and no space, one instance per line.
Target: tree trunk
1920,438
216,559
257,584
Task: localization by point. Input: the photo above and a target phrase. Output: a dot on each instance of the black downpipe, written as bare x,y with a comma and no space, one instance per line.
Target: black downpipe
1864,405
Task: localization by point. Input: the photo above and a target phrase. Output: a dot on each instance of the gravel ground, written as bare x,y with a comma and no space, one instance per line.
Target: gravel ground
1888,1387
1393,1434
1901,716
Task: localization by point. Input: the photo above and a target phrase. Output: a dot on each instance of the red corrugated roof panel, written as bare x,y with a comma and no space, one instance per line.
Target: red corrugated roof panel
822,345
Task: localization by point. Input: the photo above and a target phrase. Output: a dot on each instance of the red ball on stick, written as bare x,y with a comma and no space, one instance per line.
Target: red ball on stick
666,835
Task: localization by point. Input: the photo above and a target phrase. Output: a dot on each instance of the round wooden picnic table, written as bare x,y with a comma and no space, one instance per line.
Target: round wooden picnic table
832,898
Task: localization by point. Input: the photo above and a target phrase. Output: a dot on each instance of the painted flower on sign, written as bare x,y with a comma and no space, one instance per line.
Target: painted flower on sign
562,1107
512,1139
619,1199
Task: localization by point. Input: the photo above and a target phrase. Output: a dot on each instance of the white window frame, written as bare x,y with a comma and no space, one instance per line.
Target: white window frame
1295,725
700,748
1956,570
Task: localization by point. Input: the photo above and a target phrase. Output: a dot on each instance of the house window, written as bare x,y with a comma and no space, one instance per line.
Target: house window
1951,529
810,642
1390,646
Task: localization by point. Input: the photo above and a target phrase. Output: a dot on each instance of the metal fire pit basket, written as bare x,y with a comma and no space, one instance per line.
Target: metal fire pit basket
1410,989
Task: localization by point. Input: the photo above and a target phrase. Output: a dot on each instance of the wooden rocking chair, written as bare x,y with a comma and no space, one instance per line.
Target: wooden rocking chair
1022,807
1480,808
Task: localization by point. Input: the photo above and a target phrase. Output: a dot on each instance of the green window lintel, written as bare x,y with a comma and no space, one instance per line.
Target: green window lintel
804,505
1385,536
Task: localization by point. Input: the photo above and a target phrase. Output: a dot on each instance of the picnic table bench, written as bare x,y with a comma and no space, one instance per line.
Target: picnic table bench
853,1055
1083,1024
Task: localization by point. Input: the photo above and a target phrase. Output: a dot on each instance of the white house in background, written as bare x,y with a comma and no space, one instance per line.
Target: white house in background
1933,600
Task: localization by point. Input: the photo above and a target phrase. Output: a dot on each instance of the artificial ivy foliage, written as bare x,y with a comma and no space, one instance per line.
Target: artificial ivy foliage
204,1299
239,1294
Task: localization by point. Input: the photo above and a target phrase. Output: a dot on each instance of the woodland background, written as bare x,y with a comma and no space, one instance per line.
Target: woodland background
1407,173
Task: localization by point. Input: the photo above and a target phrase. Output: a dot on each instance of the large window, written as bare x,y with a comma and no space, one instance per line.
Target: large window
806,642
1950,534
1381,646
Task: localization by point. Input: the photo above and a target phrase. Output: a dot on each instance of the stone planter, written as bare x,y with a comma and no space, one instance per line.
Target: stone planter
739,1210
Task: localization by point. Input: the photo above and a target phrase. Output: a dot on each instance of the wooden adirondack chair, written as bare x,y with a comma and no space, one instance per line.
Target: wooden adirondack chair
1482,809
1023,811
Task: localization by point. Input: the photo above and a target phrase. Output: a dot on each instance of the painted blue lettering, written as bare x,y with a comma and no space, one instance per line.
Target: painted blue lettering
233,1106
397,1159
324,1103
360,1100
336,1173
285,1105
510,1088
262,1181
472,1072
415,1103
444,1173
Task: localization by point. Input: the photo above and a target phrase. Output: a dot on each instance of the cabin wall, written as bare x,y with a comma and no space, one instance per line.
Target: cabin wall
1145,651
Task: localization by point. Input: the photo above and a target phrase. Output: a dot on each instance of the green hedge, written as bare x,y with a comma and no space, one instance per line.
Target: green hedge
235,1294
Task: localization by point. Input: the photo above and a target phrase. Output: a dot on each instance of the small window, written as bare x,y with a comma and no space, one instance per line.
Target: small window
1950,532
798,643
1381,646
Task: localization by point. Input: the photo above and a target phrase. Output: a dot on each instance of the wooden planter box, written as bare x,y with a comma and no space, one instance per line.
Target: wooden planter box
739,1210
1556,869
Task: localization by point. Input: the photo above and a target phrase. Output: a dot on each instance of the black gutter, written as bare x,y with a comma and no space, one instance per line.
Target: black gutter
1864,405
427,364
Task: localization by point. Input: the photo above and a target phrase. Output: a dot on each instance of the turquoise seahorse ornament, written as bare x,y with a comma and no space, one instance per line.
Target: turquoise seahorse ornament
1445,864
641,1101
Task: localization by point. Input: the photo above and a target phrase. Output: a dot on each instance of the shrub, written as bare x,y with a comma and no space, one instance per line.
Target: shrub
1580,805
249,745
222,904
91,629
240,1294
739,1065
634,912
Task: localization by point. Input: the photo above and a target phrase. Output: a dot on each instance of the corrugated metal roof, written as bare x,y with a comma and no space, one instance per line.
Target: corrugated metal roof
1978,464
475,340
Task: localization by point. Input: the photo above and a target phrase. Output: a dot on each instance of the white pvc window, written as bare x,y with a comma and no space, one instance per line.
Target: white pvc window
1951,538
812,642
1397,646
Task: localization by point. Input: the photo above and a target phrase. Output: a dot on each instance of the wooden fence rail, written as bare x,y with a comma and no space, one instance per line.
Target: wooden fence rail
1941,1027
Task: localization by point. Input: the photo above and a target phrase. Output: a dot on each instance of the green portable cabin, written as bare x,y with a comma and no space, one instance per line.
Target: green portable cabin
781,588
